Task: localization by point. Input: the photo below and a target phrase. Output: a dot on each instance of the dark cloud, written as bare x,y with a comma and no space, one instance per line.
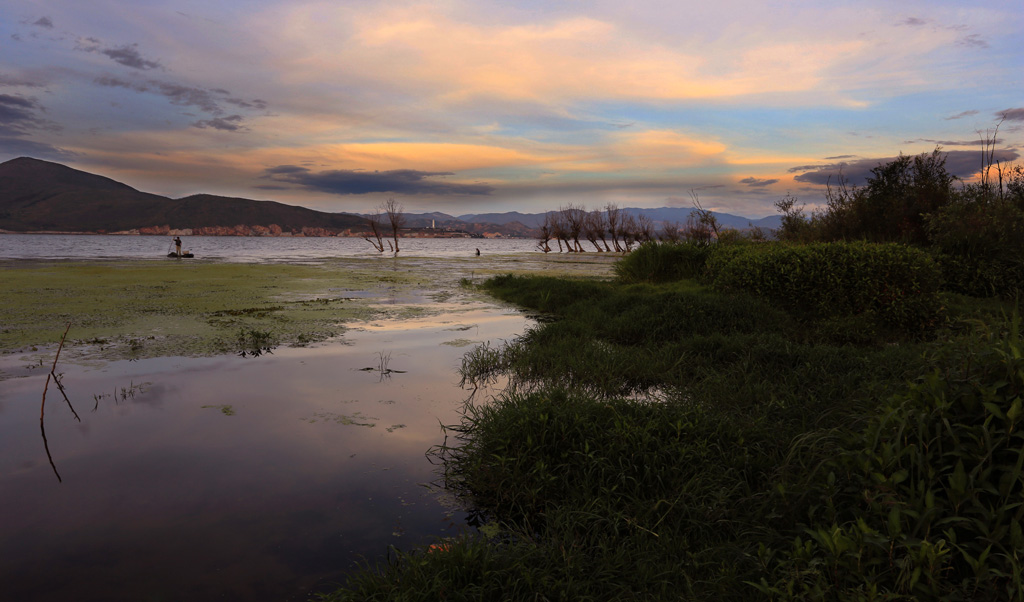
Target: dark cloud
838,157
185,96
15,146
758,181
972,41
977,142
128,55
961,115
913,22
1011,114
43,22
247,104
399,181
960,163
231,123
8,80
17,114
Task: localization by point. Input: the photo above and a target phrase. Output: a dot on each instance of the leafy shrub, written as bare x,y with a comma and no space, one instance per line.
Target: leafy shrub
898,284
979,243
932,503
663,262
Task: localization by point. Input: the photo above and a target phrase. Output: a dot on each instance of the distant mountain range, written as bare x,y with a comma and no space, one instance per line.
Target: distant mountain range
41,196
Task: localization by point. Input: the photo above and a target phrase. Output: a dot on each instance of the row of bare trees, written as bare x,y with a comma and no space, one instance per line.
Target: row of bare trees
611,230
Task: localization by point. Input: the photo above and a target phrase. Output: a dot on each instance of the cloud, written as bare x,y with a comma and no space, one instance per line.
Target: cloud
977,142
17,114
913,22
399,181
231,123
962,164
972,41
43,22
16,146
837,157
189,96
961,115
128,55
8,80
1011,114
758,182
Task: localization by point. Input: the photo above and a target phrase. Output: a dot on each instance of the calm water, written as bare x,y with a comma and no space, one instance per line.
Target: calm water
241,248
229,478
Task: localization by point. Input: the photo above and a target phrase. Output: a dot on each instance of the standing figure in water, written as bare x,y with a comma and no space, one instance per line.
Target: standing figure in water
177,245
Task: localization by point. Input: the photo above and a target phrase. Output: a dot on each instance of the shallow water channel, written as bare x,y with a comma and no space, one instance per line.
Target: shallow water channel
228,477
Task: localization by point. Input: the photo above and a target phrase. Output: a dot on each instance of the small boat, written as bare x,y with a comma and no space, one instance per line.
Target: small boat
185,255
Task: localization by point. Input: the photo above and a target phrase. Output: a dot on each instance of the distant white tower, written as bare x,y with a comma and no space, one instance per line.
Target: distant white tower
432,226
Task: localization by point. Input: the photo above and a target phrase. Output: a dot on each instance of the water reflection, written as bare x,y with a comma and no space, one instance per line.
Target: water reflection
223,478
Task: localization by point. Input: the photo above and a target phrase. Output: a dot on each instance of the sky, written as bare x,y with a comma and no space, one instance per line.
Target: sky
493,106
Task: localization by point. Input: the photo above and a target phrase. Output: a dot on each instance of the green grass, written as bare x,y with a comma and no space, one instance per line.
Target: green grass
667,442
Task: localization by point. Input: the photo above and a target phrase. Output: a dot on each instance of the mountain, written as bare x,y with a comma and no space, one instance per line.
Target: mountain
659,216
39,195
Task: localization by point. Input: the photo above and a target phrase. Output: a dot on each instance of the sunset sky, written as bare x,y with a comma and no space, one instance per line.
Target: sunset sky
486,106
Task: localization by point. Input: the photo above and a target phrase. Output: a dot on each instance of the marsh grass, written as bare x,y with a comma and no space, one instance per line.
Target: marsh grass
753,475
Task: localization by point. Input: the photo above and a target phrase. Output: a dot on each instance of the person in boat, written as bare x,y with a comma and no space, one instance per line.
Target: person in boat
177,245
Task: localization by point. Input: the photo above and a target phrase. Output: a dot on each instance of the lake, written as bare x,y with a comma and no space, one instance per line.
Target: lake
242,248
261,477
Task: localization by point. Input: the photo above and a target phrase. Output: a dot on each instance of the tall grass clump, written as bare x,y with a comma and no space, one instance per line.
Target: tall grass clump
656,261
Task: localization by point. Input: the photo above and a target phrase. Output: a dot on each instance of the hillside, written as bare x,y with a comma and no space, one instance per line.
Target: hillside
39,195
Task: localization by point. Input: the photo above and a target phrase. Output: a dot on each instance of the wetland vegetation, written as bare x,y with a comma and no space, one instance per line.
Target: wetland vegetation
810,419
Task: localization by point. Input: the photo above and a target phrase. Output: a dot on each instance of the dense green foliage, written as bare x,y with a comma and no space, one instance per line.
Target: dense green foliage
926,501
975,231
897,284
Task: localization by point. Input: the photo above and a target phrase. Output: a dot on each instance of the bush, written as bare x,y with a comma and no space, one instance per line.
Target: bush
897,284
929,499
979,243
663,262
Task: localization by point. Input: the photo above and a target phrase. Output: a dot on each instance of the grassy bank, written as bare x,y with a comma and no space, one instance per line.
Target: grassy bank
670,441
141,309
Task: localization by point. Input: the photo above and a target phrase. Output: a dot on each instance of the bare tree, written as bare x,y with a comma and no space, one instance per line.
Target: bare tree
628,230
988,160
574,216
670,231
644,228
695,230
613,217
395,217
705,216
593,228
375,227
545,234
558,228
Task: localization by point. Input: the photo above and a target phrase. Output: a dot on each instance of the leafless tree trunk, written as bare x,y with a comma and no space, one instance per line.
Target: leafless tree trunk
375,226
593,228
557,229
645,228
395,218
614,218
545,234
628,231
574,216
